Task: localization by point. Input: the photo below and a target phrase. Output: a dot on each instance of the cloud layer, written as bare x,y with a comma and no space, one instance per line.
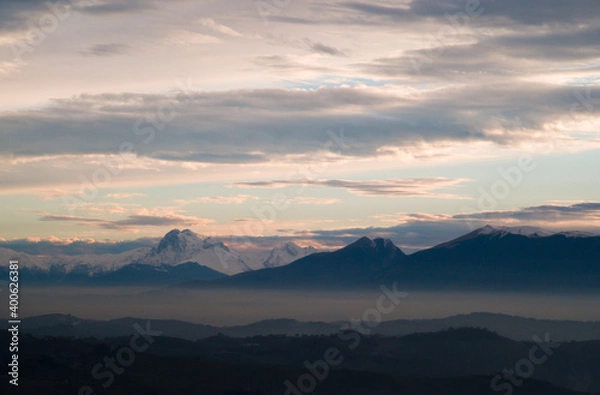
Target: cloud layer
365,101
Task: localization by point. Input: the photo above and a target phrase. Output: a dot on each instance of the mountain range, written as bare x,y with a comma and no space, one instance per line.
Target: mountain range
451,362
179,256
513,327
489,258
486,259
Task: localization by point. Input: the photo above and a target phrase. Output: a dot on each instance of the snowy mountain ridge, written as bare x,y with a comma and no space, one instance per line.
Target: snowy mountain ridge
529,231
175,248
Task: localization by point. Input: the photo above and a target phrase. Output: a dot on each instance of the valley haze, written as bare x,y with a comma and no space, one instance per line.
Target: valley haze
516,271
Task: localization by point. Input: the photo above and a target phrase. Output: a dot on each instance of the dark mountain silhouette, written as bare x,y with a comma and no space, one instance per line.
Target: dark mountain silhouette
516,328
487,259
348,267
494,258
453,362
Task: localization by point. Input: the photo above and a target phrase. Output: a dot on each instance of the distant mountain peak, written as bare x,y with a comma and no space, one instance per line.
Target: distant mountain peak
181,246
385,243
530,231
377,245
169,241
291,248
287,253
368,243
362,243
177,241
499,232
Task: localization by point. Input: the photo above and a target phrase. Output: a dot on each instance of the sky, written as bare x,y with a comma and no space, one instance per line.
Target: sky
308,120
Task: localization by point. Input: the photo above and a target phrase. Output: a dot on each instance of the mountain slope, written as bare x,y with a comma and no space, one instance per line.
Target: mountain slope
154,266
473,359
495,258
128,275
512,327
485,259
289,252
262,366
352,265
184,246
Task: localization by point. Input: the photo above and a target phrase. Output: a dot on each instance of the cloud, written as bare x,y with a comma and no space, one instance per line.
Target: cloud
188,37
101,208
53,245
250,126
416,231
291,64
458,41
16,14
584,213
8,67
120,196
116,6
486,12
473,57
506,80
105,50
210,24
411,231
238,199
415,187
314,201
131,222
68,218
321,48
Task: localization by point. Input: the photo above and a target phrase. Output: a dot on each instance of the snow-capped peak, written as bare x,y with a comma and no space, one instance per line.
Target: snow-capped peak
529,231
287,253
178,247
177,240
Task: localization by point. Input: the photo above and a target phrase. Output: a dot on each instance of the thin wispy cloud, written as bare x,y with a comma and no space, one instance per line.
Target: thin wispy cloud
321,48
418,187
219,28
238,199
120,196
188,37
551,213
111,49
131,222
314,200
